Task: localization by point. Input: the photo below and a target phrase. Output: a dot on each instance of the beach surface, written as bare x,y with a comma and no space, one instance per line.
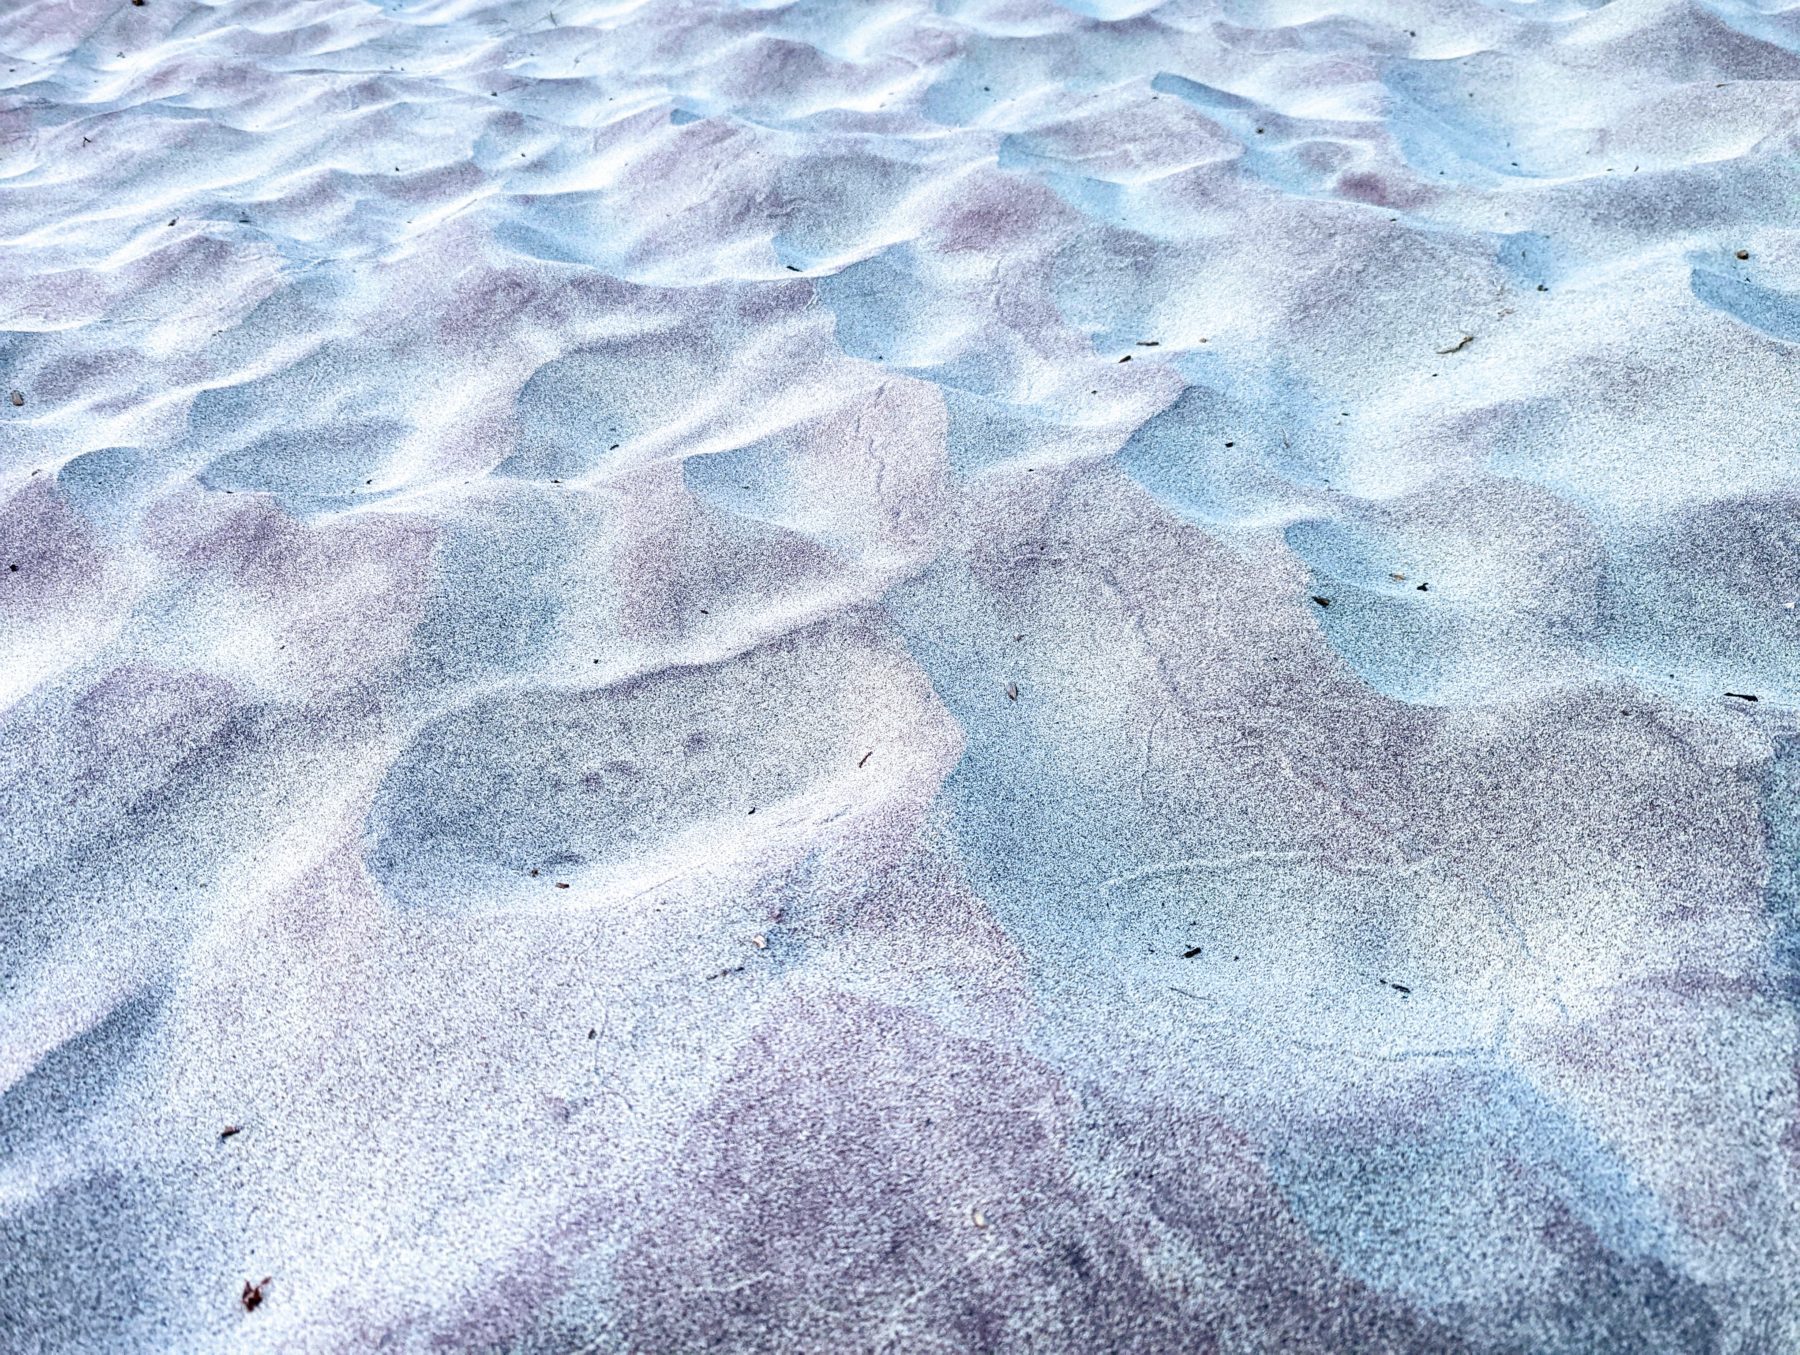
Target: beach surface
866,675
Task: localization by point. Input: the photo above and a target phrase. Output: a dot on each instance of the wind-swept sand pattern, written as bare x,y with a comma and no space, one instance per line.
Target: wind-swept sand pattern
980,676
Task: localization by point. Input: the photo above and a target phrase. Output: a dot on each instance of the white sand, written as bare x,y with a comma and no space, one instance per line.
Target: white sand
860,675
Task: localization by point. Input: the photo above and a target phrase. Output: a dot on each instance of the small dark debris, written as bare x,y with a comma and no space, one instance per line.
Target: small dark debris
735,969
561,885
173,220
252,1296
1323,602
18,398
613,448
1743,254
792,269
12,569
1424,588
534,873
1126,358
1542,288
1231,444
1399,988
1149,343
593,1034
1190,954
1458,346
1741,696
865,757
1012,691
229,1130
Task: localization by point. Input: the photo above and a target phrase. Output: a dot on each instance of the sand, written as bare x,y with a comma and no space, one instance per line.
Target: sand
876,676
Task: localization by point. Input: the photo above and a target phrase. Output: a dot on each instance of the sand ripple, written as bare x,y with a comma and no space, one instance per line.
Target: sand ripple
982,675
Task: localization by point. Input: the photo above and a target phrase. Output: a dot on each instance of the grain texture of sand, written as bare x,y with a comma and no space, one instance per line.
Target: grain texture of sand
869,675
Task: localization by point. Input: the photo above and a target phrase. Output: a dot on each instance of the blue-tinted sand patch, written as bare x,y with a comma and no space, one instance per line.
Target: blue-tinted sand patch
108,485
1775,313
